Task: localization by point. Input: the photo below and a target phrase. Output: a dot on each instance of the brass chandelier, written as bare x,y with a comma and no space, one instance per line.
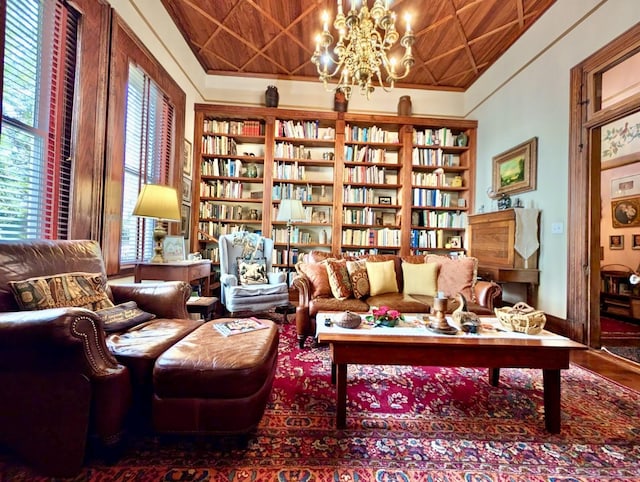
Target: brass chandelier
362,51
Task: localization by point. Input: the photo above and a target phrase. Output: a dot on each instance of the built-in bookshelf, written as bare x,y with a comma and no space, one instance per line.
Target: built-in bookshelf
369,183
618,297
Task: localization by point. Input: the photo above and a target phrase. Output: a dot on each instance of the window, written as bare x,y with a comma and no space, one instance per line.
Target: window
36,139
148,151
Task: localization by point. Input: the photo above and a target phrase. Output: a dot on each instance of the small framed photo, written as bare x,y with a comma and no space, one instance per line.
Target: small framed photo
187,166
388,219
455,242
635,241
173,249
186,190
384,200
625,212
185,219
616,241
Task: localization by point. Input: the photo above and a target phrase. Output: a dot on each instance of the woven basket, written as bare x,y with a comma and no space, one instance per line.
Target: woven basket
348,320
522,318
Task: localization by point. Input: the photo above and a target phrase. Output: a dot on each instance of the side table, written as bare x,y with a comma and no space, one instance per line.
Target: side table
187,271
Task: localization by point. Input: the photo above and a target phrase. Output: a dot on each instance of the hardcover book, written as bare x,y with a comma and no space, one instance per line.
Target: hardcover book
241,325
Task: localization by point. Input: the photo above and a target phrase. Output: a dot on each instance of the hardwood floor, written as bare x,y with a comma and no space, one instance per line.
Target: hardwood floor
615,368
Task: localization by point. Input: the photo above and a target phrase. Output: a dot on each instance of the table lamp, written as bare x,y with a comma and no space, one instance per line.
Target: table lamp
160,203
290,210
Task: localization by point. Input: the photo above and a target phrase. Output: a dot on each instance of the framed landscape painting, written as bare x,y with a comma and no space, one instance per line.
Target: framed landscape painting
514,171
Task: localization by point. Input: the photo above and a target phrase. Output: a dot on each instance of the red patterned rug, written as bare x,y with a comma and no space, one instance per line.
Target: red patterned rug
404,424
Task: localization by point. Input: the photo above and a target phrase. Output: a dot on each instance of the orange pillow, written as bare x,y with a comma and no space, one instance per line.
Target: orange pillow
456,275
319,278
339,278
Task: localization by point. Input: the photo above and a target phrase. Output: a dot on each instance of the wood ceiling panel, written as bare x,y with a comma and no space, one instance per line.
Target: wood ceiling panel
456,40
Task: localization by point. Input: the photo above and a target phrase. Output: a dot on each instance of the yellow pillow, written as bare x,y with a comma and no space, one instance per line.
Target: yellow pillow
420,279
382,277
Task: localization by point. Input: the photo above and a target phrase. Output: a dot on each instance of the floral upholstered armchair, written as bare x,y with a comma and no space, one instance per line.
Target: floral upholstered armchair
247,283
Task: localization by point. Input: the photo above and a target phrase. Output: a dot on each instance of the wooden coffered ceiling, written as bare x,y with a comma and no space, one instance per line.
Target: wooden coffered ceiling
456,40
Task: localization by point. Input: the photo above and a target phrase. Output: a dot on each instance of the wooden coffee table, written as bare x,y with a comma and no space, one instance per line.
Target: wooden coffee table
418,346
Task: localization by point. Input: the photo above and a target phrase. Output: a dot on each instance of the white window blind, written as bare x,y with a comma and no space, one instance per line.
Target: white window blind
148,148
36,140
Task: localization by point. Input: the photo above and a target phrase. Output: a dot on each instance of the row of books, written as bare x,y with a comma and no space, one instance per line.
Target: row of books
432,179
439,219
434,197
434,137
219,145
297,130
369,134
366,215
361,195
368,174
292,191
223,167
244,128
289,170
360,153
291,151
217,229
371,237
227,212
222,189
427,239
298,236
434,157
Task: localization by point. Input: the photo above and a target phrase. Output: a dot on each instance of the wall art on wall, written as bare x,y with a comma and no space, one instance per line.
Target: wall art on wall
635,241
625,212
186,190
185,219
625,186
173,249
187,162
620,141
616,241
514,171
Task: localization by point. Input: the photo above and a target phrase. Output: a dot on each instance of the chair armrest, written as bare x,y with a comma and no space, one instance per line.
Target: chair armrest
229,280
165,300
64,335
276,278
488,294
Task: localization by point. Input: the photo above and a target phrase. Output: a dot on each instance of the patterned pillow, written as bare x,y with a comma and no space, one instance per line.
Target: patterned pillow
123,316
252,271
339,278
358,276
82,290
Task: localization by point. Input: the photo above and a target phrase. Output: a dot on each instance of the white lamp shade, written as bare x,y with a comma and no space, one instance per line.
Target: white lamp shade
291,210
159,202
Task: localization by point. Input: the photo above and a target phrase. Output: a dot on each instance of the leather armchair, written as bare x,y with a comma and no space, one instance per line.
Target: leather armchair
60,384
237,297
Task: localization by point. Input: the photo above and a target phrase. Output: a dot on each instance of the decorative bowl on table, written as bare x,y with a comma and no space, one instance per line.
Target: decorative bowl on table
521,318
348,320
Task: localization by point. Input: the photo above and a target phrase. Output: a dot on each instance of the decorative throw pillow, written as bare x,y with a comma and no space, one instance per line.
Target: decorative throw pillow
382,277
420,279
252,271
358,276
123,316
318,277
339,278
82,290
456,275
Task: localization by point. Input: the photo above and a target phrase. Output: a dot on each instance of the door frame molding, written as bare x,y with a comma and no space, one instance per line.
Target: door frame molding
583,238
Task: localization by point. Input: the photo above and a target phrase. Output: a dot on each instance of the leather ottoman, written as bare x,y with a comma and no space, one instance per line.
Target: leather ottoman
209,383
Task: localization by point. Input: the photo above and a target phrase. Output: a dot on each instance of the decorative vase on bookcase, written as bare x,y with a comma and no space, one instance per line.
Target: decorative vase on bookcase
404,105
271,96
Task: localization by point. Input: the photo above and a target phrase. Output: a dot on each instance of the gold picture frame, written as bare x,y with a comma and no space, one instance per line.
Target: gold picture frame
625,212
514,171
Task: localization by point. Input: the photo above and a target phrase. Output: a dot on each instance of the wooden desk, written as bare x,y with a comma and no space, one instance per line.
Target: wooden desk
399,346
188,271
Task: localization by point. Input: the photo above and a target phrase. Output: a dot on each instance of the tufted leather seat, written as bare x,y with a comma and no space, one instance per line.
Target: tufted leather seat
209,383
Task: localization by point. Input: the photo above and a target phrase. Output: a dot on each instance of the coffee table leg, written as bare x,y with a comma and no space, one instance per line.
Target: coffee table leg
341,395
333,373
494,377
551,384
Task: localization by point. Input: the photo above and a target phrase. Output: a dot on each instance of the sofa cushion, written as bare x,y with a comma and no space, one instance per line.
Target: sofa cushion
78,289
382,277
420,279
456,275
319,278
398,301
339,278
318,305
359,278
123,316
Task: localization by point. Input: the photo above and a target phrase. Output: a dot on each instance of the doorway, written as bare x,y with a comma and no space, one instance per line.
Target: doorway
592,238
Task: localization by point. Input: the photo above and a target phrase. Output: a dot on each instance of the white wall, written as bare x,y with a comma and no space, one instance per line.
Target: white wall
526,94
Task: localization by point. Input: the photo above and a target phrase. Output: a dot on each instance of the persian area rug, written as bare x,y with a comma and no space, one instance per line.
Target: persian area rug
629,352
403,424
